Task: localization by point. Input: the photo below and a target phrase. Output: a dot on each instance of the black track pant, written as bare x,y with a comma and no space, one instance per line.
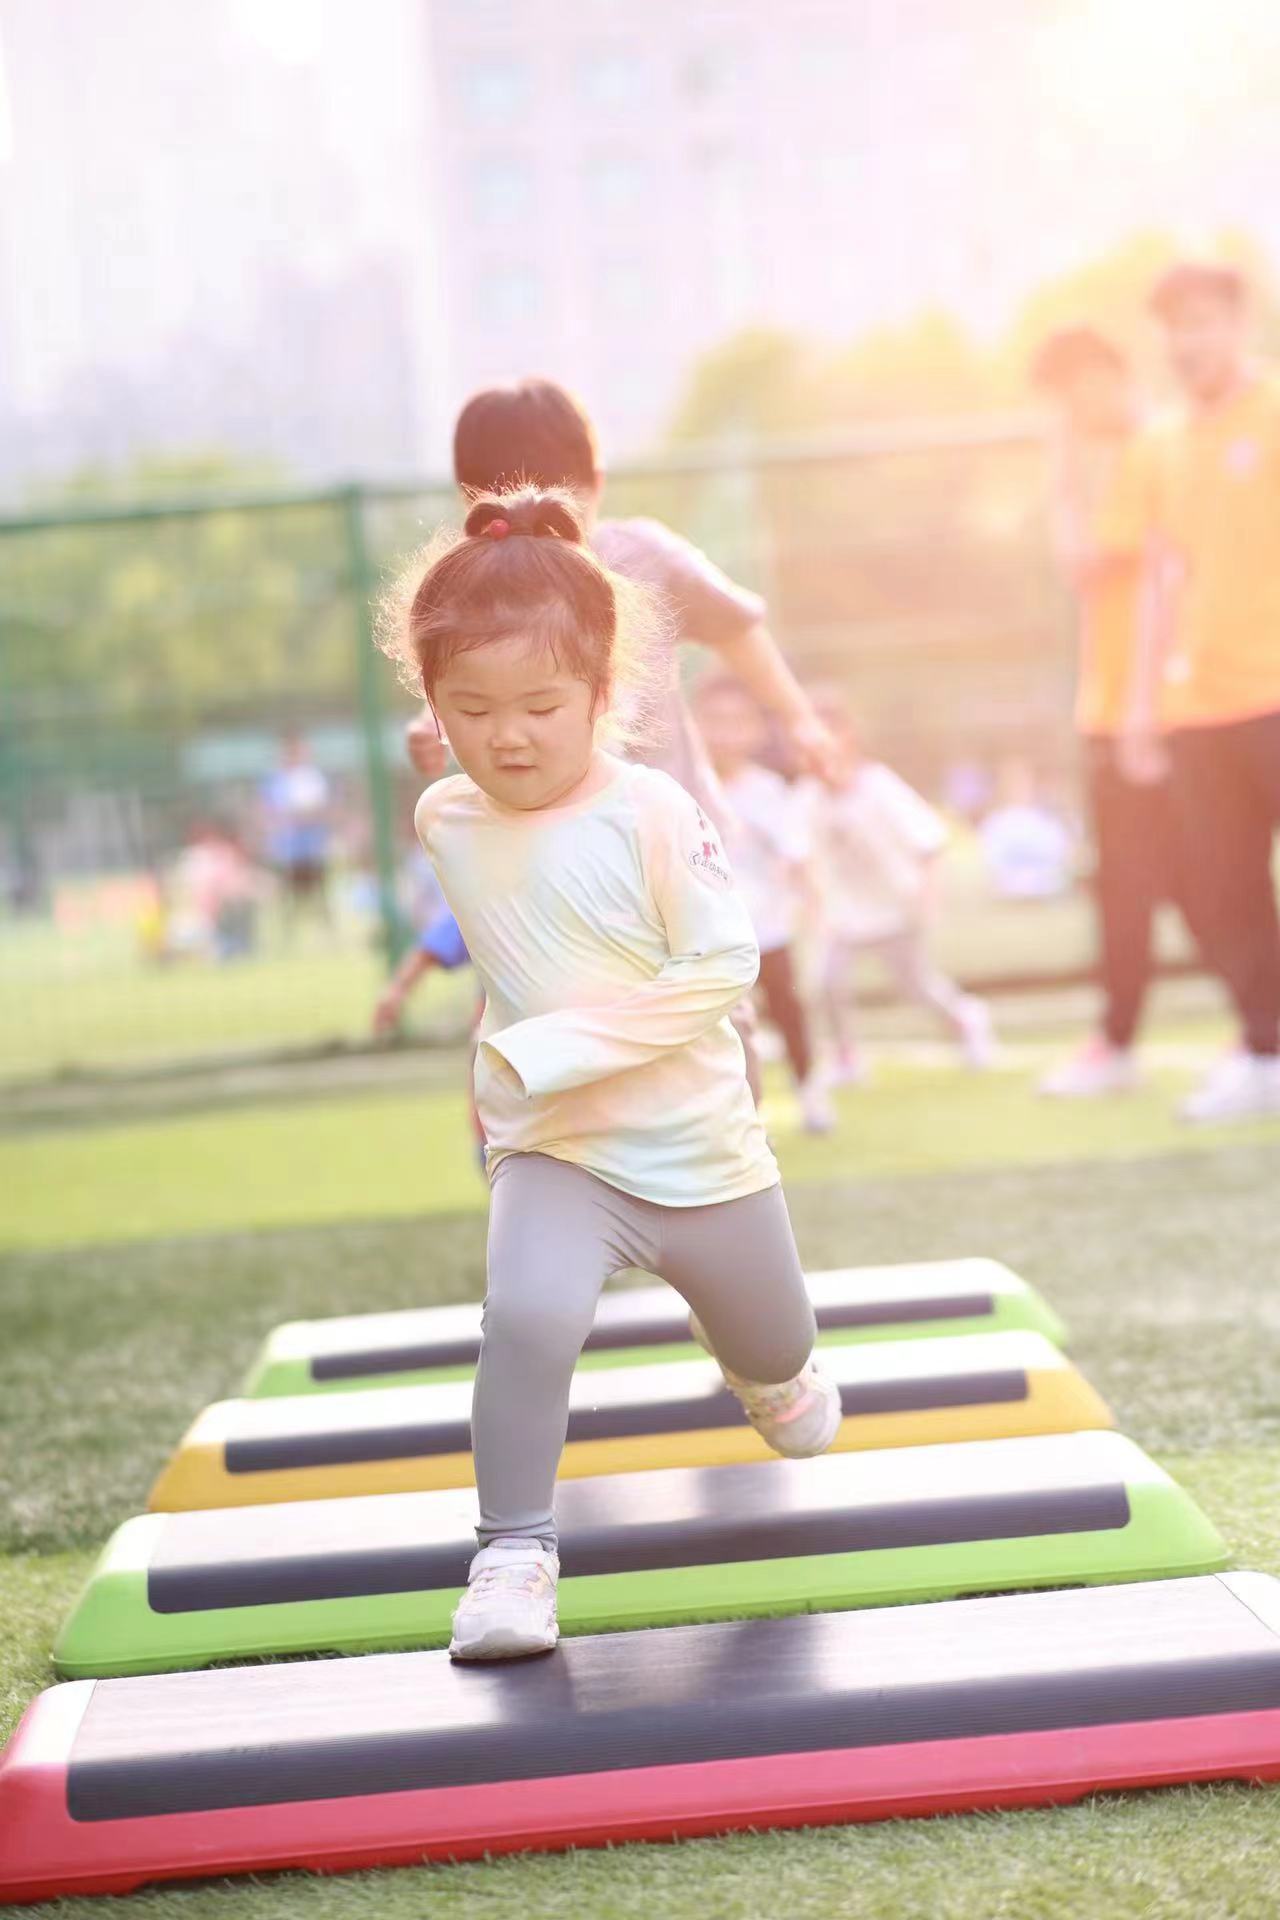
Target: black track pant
1139,865
1226,791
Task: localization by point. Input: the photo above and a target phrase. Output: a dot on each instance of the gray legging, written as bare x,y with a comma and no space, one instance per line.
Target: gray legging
907,957
556,1234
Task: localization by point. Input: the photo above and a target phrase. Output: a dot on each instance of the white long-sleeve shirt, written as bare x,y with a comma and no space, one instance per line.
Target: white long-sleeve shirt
769,842
611,943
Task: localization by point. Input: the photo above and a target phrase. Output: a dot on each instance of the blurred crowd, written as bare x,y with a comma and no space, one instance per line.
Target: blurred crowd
208,901
1168,533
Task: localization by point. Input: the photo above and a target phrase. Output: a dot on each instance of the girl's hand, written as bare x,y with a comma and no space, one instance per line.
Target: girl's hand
386,1015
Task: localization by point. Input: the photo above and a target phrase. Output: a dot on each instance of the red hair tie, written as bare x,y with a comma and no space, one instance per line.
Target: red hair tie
498,529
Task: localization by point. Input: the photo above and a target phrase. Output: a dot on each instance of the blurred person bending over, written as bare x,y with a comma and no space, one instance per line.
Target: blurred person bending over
1209,665
439,946
535,432
1089,384
877,843
767,839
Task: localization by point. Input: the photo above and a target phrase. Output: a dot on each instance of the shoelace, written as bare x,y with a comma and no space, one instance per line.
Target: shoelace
778,1402
525,1577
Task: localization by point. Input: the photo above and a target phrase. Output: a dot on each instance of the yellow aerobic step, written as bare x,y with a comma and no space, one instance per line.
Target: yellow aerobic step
408,1439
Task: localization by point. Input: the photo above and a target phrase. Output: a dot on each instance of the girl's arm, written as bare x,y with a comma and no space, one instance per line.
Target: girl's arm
390,1005
713,961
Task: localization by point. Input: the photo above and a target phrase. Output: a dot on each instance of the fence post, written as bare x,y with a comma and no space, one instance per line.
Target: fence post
371,721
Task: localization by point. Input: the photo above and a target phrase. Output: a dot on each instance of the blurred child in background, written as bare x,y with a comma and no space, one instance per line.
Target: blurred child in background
440,945
877,843
216,893
1028,846
298,828
767,838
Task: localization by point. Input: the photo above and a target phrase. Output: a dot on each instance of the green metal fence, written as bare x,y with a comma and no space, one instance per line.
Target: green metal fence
153,658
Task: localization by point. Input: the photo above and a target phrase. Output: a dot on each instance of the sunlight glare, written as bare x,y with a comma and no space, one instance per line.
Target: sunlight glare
1153,66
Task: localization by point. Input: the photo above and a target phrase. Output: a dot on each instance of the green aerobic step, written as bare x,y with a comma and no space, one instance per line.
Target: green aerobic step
643,1549
647,1324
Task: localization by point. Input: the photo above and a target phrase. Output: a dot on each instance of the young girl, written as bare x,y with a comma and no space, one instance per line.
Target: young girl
603,923
768,839
879,841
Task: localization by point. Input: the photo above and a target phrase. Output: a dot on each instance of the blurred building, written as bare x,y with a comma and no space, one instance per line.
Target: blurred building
619,187
308,228
200,246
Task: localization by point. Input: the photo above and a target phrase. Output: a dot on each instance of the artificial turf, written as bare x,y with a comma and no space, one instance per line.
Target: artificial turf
1157,1247
370,1154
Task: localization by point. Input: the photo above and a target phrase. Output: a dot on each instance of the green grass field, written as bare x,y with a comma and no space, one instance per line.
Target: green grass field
81,999
144,1254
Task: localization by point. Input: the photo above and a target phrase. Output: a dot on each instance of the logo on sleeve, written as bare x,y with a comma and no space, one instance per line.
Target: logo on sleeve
706,859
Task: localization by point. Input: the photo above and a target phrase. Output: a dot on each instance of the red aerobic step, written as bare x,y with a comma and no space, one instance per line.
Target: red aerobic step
1018,1701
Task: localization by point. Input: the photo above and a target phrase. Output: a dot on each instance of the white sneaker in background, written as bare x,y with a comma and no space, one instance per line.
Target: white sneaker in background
797,1418
1244,1086
848,1069
816,1109
1099,1069
977,1034
509,1607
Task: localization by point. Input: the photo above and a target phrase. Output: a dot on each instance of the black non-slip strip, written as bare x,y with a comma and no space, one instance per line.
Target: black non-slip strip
418,1357
421,1355
889,1313
425,1439
550,1730
712,1539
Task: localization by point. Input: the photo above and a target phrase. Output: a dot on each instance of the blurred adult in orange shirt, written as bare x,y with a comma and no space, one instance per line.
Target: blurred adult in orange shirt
1089,385
1209,668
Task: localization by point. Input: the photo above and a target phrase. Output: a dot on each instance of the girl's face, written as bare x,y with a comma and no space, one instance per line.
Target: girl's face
520,725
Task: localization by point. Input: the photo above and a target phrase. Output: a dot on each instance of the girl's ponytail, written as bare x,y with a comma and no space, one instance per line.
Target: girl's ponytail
551,513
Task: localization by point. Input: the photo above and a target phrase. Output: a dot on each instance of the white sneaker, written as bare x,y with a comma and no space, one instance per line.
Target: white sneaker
1099,1069
797,1417
1244,1086
816,1110
509,1607
977,1035
848,1069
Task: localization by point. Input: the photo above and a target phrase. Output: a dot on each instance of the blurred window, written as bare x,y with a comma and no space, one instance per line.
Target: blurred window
615,183
610,78
501,189
622,289
509,293
494,89
709,74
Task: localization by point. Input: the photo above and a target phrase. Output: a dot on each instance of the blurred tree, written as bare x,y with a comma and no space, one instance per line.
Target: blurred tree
775,384
927,365
1111,293
758,383
176,474
170,619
